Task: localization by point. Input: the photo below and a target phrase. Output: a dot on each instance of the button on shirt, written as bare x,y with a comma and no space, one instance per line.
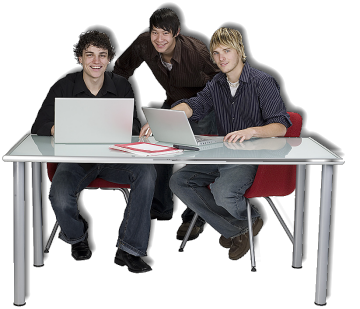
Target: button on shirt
257,102
191,69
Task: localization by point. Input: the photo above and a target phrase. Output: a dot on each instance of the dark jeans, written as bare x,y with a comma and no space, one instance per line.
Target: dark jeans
163,204
224,206
70,179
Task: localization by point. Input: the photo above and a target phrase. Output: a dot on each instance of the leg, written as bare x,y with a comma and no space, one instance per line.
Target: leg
134,230
37,215
68,181
190,185
162,204
299,216
324,235
19,233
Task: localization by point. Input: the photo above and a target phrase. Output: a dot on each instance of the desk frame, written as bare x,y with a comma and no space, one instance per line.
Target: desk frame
324,222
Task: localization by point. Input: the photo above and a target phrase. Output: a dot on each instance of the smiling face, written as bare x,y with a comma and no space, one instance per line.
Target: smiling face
163,41
94,61
228,60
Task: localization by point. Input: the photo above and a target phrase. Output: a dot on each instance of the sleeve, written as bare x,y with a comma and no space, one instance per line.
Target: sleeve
128,93
45,117
130,59
272,106
201,104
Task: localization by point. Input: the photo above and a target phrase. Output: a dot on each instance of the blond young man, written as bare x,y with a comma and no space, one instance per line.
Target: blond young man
247,104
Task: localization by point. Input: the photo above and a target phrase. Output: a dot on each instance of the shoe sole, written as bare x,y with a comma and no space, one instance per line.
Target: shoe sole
82,258
122,263
256,230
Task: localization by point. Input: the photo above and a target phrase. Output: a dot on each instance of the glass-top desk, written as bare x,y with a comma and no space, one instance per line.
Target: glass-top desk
33,148
266,151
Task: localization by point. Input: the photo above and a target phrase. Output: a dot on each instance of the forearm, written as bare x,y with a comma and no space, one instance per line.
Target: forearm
184,107
270,130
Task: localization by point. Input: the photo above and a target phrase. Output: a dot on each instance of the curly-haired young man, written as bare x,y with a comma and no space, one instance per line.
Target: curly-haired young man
94,52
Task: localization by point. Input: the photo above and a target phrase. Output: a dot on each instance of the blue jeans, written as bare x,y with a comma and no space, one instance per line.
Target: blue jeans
224,205
162,203
70,179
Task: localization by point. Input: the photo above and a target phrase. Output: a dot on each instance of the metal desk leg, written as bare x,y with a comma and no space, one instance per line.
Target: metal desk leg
299,216
324,235
19,233
37,215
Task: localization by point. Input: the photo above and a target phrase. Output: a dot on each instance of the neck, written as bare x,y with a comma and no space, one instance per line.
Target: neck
93,84
234,75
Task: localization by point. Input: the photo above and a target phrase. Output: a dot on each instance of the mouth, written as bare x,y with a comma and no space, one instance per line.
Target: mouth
96,67
160,45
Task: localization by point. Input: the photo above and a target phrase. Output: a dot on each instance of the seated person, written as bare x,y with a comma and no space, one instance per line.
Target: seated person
247,104
94,52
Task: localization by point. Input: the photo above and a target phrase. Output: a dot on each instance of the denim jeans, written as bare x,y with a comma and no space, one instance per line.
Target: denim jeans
70,179
223,206
162,203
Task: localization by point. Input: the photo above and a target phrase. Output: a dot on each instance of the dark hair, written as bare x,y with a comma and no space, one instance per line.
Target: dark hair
165,19
95,38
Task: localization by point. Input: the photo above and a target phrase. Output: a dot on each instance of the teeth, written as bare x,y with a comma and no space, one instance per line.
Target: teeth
96,67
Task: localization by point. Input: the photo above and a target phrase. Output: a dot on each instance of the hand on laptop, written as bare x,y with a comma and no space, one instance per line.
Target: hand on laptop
145,130
52,130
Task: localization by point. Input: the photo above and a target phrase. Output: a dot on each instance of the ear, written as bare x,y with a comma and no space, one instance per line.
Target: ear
80,60
178,32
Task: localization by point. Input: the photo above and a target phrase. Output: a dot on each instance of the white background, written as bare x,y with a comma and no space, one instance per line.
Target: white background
310,47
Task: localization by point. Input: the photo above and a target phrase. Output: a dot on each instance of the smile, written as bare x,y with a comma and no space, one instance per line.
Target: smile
96,68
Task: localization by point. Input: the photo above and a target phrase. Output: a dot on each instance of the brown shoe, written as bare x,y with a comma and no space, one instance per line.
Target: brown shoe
225,242
241,244
183,229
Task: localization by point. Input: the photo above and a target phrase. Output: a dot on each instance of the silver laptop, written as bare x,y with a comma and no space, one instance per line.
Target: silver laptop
92,120
173,127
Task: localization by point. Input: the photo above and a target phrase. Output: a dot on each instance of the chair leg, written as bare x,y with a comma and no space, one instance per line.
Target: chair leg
251,237
187,235
126,193
51,238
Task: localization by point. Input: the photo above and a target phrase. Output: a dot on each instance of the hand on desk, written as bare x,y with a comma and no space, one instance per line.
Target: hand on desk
240,135
145,130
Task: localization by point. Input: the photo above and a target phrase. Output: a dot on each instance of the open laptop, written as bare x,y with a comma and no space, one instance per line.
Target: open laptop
93,120
173,127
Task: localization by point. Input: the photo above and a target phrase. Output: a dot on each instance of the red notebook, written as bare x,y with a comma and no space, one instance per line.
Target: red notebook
146,149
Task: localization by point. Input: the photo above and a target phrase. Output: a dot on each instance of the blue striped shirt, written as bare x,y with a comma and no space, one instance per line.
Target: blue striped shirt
257,102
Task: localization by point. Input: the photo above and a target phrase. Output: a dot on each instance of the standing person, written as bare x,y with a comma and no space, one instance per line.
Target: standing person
94,52
247,104
182,65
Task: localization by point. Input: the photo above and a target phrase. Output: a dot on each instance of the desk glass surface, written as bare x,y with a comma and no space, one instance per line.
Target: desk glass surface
280,150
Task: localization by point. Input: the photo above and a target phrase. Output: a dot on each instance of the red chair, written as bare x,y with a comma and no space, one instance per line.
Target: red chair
270,180
98,183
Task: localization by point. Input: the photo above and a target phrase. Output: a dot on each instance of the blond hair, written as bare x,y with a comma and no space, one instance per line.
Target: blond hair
229,38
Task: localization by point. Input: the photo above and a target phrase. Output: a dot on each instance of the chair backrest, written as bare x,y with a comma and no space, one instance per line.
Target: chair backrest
277,180
97,183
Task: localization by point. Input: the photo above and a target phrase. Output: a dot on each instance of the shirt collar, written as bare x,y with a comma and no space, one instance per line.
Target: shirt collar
80,86
244,76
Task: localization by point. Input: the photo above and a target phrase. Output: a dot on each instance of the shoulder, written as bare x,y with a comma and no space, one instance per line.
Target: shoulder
192,44
116,78
68,81
142,40
260,76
